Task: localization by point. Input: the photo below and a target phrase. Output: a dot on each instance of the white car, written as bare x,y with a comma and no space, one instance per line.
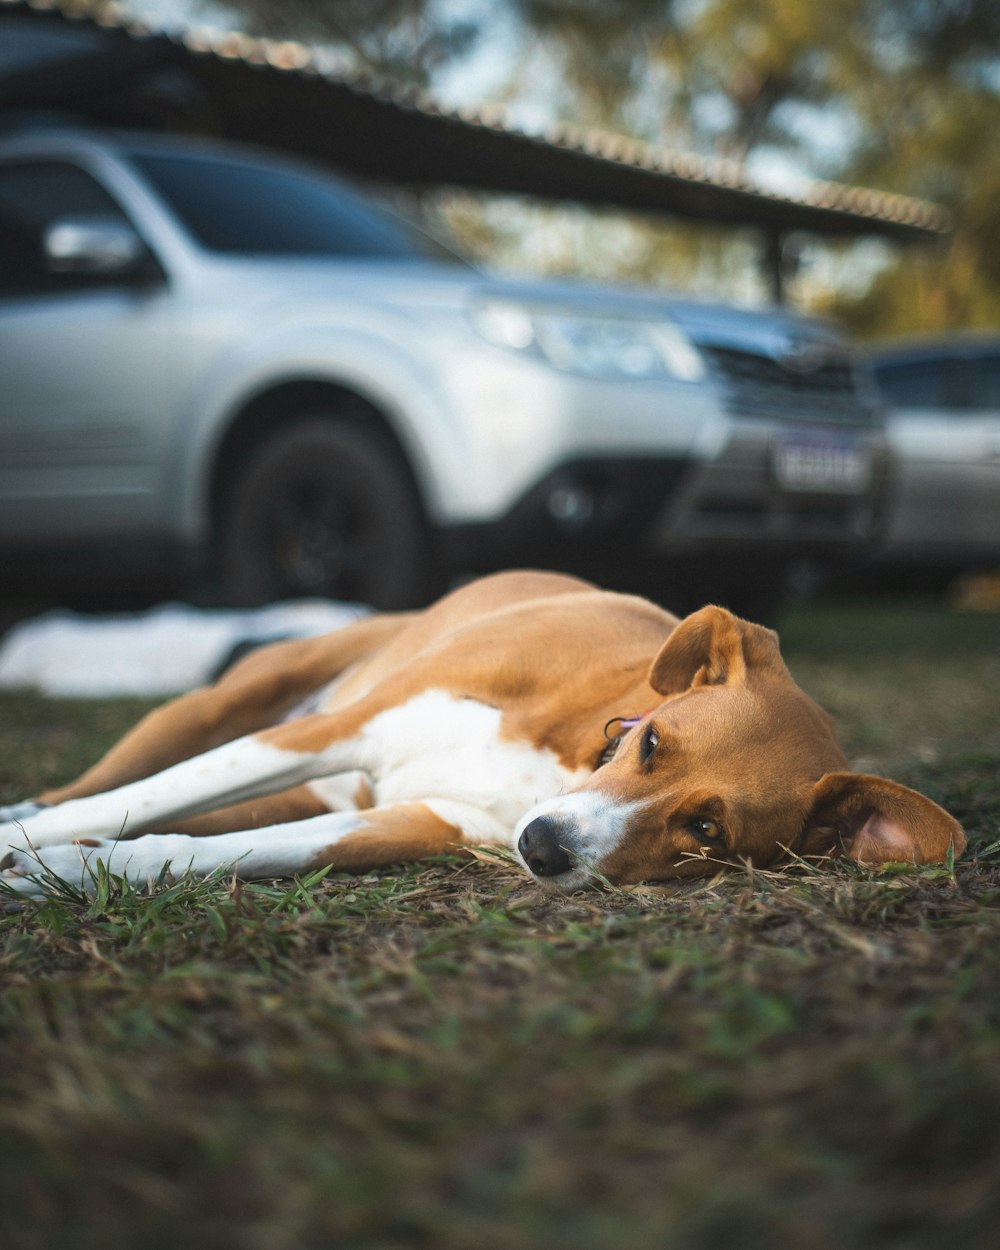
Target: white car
943,400
216,357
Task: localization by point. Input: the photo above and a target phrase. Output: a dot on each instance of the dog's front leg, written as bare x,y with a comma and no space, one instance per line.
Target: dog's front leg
348,842
229,774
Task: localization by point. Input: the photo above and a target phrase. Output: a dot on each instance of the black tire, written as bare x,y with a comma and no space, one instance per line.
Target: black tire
323,508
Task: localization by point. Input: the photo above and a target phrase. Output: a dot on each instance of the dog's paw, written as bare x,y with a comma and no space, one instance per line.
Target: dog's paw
15,873
16,813
34,873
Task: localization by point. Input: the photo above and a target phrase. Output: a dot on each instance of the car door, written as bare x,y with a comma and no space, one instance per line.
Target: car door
85,377
981,485
924,394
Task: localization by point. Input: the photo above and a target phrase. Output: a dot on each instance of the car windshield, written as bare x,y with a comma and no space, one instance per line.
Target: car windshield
232,207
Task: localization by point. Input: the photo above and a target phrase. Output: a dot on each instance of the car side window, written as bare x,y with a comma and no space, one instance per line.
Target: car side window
32,196
930,382
985,381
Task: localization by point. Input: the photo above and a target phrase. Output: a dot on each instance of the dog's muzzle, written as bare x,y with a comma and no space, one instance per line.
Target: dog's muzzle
541,849
564,840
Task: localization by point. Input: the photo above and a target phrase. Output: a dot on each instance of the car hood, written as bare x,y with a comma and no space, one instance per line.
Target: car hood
767,331
771,332
423,284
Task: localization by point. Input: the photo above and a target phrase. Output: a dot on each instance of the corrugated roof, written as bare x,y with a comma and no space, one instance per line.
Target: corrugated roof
97,61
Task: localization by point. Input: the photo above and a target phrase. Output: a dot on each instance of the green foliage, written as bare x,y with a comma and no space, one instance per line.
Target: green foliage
446,1056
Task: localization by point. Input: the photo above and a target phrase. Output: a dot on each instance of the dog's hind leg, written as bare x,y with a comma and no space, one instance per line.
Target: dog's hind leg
345,842
254,694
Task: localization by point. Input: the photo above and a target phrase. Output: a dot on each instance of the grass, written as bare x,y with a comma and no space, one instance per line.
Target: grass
445,1057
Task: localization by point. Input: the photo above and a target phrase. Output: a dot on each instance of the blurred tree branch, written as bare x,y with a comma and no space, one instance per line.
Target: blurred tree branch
405,39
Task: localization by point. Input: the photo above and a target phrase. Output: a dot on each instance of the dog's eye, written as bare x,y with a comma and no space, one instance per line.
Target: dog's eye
648,743
705,830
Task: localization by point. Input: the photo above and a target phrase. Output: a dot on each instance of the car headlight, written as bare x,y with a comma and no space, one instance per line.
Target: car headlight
593,345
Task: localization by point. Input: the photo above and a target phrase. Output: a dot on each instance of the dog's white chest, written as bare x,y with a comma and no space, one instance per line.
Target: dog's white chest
438,746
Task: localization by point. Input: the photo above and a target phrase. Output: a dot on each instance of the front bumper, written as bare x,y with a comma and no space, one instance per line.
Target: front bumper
629,510
583,508
746,497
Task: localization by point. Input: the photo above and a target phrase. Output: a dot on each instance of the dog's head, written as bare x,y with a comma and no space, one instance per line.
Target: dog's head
736,764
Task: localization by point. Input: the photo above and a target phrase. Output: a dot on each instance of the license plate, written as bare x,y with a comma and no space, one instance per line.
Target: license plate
826,462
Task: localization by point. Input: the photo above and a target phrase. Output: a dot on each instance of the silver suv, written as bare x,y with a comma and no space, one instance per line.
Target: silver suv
208,353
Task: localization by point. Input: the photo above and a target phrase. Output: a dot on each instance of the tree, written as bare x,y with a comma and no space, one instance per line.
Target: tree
929,105
909,92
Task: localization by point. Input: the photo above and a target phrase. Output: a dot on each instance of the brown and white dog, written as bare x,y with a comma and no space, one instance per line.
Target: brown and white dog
593,731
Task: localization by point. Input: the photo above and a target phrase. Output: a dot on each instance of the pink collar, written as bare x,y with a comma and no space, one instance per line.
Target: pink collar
626,723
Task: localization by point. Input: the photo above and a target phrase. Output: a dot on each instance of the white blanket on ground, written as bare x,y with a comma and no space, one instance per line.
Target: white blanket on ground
163,651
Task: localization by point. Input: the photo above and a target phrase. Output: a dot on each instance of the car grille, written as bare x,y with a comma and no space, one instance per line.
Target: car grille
758,385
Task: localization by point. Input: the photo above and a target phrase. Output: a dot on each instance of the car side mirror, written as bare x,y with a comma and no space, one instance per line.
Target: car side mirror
99,247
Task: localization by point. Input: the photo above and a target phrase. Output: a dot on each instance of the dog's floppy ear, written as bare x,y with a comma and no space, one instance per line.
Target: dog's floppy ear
710,648
876,821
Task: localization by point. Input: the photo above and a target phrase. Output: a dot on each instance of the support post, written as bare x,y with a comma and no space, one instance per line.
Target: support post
772,263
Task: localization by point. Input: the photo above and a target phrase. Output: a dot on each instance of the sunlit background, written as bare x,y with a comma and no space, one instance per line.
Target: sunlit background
839,159
903,97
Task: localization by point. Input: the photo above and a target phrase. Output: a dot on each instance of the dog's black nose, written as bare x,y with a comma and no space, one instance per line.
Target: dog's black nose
540,849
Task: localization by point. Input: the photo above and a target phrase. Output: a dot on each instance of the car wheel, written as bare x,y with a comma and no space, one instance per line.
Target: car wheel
324,508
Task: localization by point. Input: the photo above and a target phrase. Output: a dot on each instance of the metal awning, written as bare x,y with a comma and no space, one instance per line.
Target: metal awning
90,60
